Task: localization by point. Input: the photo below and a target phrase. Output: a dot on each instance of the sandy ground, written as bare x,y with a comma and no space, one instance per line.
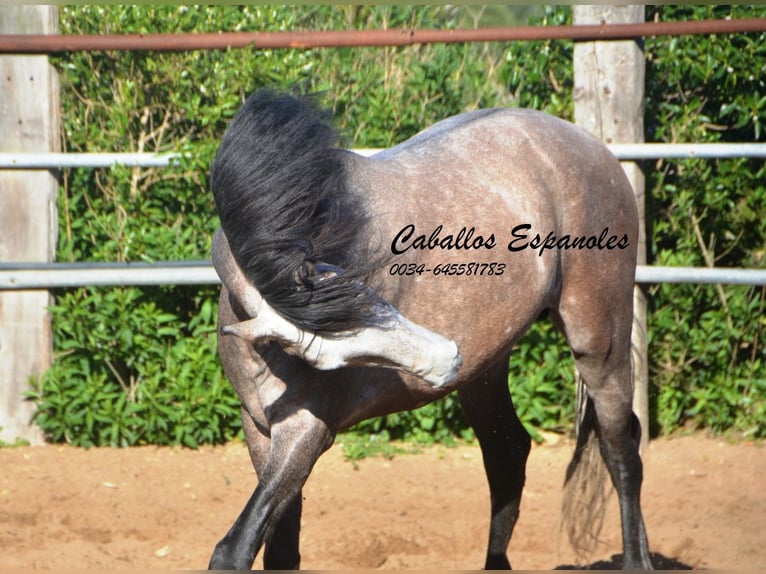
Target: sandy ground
160,508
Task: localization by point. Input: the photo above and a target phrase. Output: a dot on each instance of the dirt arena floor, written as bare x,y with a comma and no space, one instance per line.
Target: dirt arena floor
157,508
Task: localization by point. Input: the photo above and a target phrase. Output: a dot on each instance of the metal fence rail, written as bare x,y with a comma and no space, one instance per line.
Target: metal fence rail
85,160
629,152
24,276
55,43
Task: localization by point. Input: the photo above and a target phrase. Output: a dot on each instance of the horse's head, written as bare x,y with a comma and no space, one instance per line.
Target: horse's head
391,340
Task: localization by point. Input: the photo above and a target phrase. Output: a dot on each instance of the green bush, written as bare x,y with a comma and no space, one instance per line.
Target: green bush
137,375
139,366
707,353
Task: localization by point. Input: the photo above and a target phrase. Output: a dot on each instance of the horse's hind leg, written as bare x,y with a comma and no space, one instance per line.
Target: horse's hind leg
618,433
505,446
597,323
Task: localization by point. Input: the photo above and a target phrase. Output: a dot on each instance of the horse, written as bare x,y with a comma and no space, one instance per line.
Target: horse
355,286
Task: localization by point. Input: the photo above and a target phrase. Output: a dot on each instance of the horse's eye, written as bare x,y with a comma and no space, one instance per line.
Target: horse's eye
324,271
304,275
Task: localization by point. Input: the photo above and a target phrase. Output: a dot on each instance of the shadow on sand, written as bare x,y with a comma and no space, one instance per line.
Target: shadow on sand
659,561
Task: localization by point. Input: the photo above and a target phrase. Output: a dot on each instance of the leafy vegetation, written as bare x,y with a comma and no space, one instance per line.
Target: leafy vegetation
138,365
707,352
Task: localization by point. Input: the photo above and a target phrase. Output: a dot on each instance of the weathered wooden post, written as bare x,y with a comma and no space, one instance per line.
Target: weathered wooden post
29,101
609,103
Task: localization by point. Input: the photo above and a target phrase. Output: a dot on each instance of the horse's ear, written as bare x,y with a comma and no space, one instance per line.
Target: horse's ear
246,330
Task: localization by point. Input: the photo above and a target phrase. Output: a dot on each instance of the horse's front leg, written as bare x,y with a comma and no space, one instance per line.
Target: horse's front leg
273,510
282,551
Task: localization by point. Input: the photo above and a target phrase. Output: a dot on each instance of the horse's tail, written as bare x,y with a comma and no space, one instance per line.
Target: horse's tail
586,488
279,184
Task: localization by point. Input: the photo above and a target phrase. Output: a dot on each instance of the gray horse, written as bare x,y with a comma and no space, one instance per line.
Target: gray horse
358,286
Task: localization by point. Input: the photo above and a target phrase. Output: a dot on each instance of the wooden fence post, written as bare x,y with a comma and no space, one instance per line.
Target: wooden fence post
609,103
29,102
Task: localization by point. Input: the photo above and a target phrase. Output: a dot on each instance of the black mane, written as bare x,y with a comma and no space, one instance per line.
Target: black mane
279,184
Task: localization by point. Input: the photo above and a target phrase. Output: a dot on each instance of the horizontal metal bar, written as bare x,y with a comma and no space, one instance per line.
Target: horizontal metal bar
19,276
54,43
639,151
85,160
719,275
636,151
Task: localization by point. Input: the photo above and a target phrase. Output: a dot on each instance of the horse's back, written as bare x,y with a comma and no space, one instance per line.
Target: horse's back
508,166
519,178
512,141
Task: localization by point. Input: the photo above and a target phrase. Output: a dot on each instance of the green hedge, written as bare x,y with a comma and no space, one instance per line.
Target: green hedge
138,365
